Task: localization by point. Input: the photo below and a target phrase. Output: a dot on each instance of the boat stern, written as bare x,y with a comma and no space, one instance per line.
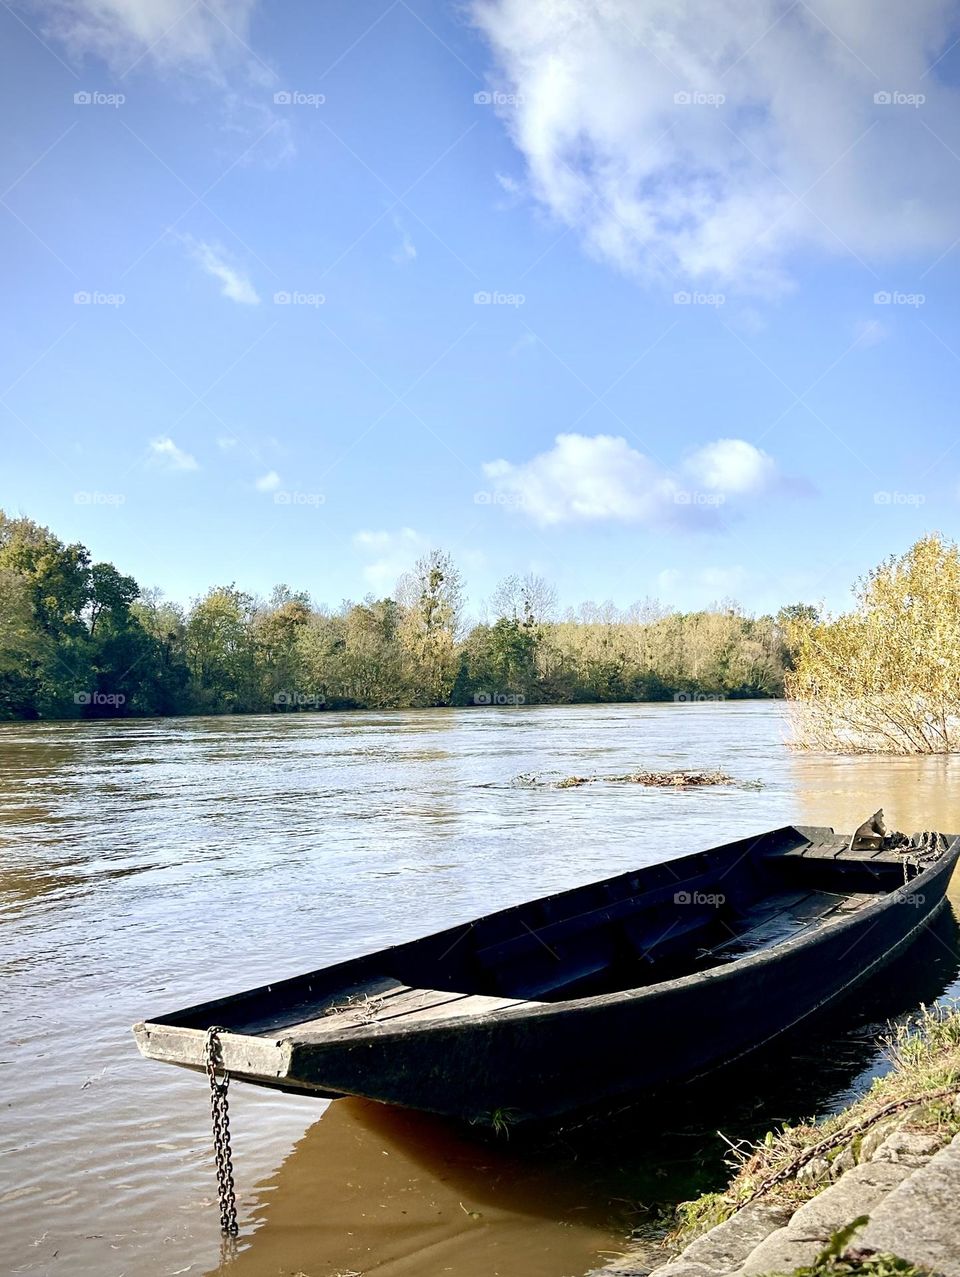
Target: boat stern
243,1056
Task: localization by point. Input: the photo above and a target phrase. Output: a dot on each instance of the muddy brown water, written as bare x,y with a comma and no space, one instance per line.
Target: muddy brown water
148,865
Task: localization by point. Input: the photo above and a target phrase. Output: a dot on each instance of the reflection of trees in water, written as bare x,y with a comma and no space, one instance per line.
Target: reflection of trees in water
369,1184
915,793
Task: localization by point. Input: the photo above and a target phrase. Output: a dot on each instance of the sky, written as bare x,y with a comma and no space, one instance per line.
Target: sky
653,300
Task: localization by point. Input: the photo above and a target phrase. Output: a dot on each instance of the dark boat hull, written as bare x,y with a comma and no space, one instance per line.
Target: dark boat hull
523,1057
572,1055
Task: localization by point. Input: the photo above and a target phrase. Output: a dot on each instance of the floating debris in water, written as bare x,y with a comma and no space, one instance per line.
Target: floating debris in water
683,779
687,778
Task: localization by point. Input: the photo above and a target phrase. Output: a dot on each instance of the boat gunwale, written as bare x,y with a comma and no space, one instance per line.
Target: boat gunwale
532,1009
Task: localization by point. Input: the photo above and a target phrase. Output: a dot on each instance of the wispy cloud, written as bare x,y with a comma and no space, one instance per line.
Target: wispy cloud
526,341
207,36
870,332
599,478
406,251
391,553
165,454
268,482
213,259
209,42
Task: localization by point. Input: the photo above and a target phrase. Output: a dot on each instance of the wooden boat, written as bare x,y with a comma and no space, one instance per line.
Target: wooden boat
628,984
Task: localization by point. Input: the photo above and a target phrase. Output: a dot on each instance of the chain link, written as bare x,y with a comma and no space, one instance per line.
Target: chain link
219,1111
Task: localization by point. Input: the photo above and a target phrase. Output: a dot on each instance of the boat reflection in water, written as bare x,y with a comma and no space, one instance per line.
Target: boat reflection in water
374,1188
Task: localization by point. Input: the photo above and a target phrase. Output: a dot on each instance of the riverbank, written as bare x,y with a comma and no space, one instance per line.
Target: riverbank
871,1189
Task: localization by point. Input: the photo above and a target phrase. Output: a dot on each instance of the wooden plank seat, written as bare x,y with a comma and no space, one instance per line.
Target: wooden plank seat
382,1001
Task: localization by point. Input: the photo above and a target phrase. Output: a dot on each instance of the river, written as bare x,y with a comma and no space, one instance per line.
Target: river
146,865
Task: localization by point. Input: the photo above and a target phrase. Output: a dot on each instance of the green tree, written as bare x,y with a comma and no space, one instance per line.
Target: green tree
280,668
220,651
885,677
26,653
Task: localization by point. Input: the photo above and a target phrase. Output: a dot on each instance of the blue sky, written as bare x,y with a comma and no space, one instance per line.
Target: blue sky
286,220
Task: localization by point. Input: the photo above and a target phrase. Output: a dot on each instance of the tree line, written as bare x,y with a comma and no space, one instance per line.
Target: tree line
80,639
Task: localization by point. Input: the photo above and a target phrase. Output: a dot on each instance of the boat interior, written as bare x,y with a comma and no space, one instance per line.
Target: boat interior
657,923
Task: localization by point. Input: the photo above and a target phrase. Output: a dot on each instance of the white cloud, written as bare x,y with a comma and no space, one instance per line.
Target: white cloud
393,554
731,466
203,41
593,478
171,34
165,453
268,482
213,259
798,153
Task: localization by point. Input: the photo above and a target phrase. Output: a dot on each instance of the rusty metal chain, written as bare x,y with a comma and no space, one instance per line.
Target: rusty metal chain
219,1111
